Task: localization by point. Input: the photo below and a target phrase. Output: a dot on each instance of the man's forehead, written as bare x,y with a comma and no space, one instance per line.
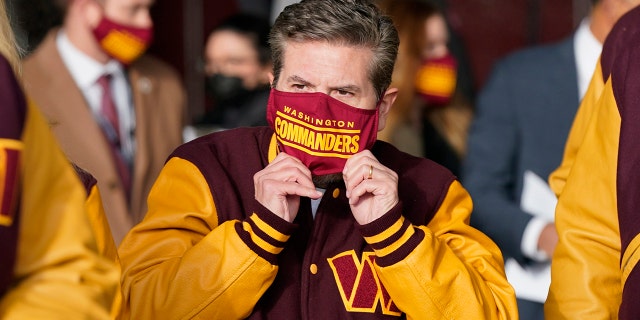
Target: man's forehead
313,53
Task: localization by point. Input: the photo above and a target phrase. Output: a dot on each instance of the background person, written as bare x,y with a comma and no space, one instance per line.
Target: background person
237,64
431,116
116,114
524,114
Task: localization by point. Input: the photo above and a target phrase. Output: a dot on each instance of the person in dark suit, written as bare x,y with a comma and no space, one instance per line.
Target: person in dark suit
63,76
524,115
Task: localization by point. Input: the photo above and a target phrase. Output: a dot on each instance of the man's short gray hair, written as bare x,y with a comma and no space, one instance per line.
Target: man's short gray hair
357,23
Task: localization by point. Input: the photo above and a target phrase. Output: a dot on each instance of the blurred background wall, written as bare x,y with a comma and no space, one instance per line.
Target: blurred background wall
484,29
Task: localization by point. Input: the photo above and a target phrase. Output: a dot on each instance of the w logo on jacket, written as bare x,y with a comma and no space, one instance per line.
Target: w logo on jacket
9,176
358,283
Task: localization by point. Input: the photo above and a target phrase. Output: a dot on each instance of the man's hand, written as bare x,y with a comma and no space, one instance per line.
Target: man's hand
372,188
280,185
548,239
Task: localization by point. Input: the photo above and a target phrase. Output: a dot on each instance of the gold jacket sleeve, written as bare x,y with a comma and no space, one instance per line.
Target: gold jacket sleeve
59,274
180,240
100,225
454,262
104,239
585,271
586,111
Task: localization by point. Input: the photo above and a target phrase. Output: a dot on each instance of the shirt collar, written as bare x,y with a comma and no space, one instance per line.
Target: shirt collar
84,70
587,50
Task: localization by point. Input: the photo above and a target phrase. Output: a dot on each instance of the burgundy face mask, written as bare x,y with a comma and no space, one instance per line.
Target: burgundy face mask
319,130
436,80
121,42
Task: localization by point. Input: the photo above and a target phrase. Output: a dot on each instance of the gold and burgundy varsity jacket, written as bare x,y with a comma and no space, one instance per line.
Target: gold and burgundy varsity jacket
49,265
594,270
13,110
207,249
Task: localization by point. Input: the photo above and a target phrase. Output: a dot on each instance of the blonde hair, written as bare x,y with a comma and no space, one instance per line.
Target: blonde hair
451,121
8,47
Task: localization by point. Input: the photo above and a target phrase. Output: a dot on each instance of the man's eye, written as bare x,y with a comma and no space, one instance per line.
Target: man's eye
299,86
344,93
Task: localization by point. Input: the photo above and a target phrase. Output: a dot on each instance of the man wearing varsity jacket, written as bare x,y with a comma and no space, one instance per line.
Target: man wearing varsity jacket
311,217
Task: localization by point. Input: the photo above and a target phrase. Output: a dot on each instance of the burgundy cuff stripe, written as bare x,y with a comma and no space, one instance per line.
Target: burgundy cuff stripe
392,239
264,236
246,237
383,223
403,251
273,220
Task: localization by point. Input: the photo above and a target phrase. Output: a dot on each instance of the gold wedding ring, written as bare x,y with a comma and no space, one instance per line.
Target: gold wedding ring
370,172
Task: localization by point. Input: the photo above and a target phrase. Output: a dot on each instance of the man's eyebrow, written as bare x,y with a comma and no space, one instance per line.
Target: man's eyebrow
348,87
299,80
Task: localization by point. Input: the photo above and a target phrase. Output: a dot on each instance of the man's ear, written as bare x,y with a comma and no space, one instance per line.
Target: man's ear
91,10
385,105
266,75
270,75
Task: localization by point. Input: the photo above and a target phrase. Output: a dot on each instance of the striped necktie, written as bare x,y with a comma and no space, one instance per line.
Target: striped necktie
111,127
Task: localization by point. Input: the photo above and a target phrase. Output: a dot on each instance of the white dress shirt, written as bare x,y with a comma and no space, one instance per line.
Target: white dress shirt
85,71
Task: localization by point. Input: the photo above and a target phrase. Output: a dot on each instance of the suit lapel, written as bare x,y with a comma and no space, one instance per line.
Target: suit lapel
141,89
62,102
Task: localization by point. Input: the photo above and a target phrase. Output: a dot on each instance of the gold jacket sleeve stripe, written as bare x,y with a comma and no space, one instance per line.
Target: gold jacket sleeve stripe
630,258
391,250
11,144
246,237
273,148
377,228
9,179
263,236
385,251
280,230
391,237
378,242
266,246
268,230
394,229
281,227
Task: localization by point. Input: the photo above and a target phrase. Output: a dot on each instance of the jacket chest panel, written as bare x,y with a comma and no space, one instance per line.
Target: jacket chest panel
327,267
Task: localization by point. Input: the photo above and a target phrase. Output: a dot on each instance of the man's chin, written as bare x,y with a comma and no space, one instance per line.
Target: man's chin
324,181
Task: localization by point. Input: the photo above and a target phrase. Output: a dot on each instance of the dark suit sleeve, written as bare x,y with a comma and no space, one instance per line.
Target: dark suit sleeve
489,172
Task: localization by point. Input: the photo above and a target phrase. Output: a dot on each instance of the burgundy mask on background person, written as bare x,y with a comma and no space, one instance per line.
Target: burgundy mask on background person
121,42
321,131
436,80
